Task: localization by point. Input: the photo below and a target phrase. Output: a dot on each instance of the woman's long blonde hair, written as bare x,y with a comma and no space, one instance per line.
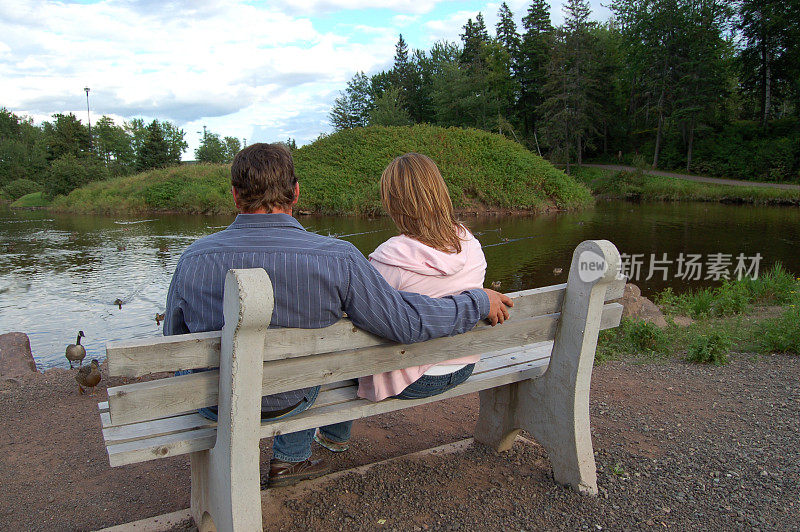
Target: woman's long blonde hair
416,197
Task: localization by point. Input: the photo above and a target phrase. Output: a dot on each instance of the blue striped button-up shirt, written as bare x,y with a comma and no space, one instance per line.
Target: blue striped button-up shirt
314,279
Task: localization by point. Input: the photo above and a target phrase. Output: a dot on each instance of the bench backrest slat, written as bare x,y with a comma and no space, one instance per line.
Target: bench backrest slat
135,358
159,398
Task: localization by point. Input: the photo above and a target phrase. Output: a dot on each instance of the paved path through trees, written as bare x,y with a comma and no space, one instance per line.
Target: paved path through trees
701,179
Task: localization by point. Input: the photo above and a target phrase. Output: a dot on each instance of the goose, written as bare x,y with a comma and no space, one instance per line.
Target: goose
118,302
88,377
76,352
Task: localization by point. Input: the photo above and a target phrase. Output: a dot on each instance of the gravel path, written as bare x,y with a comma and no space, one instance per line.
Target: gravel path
677,446
698,178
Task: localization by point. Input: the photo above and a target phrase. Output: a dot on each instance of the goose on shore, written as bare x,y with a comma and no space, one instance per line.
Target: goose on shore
88,377
76,352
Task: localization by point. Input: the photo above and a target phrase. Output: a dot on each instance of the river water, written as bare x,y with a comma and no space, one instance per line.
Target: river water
62,273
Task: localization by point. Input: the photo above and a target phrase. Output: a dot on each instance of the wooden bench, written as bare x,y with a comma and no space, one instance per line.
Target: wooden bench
534,374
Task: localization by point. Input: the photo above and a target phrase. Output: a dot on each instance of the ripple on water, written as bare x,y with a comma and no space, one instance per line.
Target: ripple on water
59,275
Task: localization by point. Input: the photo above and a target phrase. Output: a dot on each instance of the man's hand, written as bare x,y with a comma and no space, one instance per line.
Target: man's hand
498,307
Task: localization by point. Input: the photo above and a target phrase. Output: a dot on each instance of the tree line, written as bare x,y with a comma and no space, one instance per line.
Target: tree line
709,86
63,154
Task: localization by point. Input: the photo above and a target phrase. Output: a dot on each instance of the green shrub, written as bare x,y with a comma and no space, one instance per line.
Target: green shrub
732,297
699,303
781,334
710,348
69,172
632,337
20,187
670,302
776,286
647,338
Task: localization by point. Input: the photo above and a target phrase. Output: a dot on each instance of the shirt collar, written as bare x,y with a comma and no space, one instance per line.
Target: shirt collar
265,220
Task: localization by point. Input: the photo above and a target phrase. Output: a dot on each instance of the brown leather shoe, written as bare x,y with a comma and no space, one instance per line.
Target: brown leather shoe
289,473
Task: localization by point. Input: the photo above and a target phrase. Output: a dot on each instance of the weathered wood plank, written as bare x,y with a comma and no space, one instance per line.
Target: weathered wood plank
339,392
161,447
202,439
156,399
134,358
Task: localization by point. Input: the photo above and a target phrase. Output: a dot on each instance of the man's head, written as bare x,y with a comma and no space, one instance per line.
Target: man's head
263,180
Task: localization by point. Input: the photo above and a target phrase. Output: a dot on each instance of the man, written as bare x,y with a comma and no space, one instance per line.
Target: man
315,279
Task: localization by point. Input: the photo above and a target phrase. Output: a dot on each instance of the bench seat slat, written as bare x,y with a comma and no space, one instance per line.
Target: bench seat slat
134,358
326,391
144,401
189,433
343,392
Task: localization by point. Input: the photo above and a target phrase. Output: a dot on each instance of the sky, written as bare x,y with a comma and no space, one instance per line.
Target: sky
257,70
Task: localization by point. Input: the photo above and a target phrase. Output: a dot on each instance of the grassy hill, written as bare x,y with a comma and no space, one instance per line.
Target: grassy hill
339,174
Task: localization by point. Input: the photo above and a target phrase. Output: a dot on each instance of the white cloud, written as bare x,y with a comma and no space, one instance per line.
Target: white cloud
184,61
261,70
327,6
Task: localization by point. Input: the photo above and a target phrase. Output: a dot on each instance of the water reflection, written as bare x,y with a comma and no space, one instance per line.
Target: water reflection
62,273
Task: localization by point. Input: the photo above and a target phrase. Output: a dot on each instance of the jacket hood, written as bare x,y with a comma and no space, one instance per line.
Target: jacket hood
412,255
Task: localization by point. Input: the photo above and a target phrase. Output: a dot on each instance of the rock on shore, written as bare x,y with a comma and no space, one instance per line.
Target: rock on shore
16,359
636,306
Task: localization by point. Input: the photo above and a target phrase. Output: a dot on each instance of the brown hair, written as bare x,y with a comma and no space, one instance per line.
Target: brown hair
416,197
263,176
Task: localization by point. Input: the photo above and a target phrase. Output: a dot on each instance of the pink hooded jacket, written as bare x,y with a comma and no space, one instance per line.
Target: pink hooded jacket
411,266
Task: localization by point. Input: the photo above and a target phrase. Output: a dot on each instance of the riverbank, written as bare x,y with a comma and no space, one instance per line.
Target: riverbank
755,316
638,186
339,175
678,445
697,178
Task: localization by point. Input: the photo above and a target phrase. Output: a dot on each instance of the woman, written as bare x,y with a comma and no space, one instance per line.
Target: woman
434,255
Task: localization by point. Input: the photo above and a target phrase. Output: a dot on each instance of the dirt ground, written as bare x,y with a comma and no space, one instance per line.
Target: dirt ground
677,446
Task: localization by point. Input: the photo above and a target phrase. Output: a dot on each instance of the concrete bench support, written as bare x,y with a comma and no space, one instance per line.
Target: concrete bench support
554,409
226,484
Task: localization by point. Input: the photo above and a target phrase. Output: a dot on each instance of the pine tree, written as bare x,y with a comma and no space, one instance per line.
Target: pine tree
474,36
532,63
571,96
351,109
703,73
507,30
770,30
154,152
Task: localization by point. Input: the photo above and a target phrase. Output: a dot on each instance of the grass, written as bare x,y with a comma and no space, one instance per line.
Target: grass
729,318
34,199
643,187
191,189
776,286
339,174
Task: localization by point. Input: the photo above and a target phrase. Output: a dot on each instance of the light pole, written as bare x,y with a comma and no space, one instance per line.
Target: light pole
88,118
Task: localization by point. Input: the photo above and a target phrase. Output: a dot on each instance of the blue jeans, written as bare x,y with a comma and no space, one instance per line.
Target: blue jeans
430,385
296,446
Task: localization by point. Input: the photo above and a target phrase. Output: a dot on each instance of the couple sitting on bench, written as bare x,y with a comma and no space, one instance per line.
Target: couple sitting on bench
425,283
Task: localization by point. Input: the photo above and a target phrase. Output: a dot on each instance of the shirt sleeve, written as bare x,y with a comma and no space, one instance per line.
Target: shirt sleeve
406,317
174,322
